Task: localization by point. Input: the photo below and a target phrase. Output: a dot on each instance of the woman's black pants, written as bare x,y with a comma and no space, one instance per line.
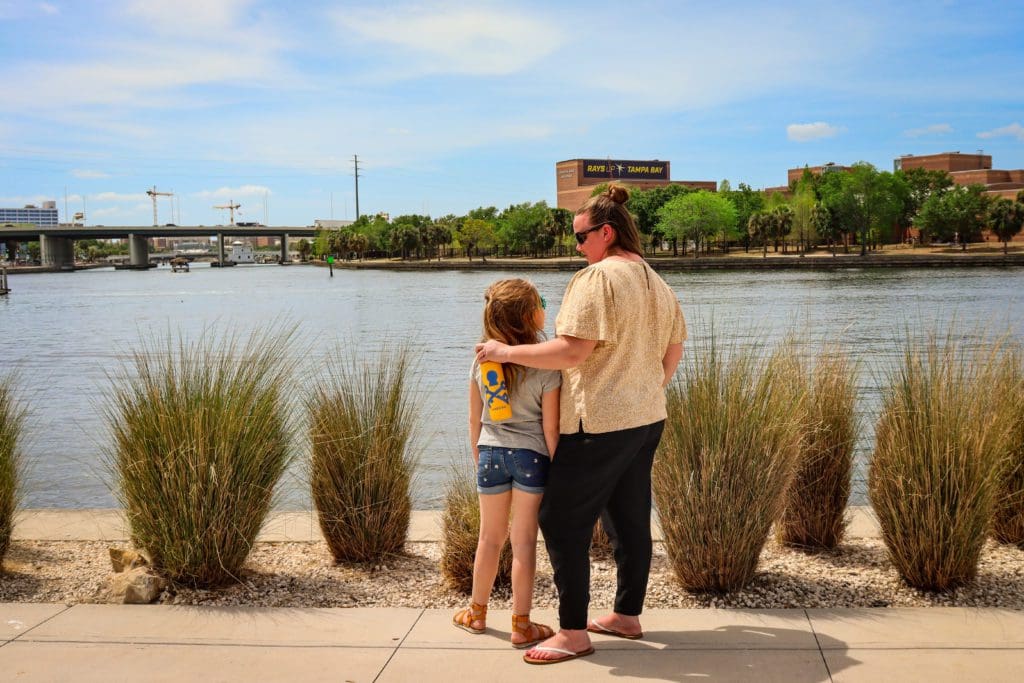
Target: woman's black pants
592,474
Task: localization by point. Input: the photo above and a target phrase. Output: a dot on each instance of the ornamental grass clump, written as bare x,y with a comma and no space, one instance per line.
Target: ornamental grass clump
460,533
728,454
12,429
815,513
362,419
1008,525
939,457
201,436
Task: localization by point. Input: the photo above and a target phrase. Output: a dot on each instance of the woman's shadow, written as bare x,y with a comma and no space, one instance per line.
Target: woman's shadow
726,653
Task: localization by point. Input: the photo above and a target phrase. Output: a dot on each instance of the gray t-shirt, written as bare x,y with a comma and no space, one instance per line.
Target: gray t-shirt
525,429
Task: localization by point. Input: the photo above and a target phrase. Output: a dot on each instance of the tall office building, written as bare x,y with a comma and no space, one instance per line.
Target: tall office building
44,215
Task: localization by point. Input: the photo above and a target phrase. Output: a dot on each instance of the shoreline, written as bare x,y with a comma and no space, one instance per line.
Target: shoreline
980,257
684,264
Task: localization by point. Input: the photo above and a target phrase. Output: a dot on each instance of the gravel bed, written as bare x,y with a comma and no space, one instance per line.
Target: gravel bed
858,574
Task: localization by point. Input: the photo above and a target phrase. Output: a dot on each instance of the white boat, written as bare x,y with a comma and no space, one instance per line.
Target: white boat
241,253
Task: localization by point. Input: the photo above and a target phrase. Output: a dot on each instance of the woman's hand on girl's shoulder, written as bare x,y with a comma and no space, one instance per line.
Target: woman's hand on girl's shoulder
492,350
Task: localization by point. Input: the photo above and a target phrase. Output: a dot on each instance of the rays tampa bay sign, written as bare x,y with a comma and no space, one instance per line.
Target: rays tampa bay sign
616,169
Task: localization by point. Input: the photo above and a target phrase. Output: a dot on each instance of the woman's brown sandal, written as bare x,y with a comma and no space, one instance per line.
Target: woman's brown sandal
534,633
466,618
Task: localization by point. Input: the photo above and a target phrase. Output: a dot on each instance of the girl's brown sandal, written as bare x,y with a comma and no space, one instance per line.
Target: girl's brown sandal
466,619
534,633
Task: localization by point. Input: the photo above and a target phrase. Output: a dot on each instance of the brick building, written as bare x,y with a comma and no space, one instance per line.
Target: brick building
967,169
575,178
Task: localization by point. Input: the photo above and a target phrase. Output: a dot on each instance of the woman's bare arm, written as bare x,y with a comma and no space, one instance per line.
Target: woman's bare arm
549,419
670,362
559,353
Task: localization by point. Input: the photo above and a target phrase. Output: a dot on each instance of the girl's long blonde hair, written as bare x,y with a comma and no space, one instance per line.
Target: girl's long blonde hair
510,308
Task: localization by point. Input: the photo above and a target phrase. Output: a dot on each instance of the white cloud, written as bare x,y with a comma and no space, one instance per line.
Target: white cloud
934,129
88,174
450,39
21,200
806,132
233,192
1013,130
47,8
119,197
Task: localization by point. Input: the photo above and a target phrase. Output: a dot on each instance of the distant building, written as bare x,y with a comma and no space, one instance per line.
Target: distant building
42,216
575,178
325,224
967,169
793,176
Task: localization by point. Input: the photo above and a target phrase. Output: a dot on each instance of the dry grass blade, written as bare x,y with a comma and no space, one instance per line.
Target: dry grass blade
1008,525
939,456
12,428
201,436
362,420
460,533
815,514
728,454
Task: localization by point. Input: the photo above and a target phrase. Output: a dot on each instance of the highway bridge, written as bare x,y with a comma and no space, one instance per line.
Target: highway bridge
57,243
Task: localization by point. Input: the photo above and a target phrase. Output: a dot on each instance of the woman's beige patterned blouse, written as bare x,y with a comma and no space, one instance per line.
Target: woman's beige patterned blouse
634,316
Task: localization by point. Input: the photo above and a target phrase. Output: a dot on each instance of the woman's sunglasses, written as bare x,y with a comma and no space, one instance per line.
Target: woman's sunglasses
582,235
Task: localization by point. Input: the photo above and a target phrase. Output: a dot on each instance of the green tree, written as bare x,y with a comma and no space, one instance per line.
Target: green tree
804,205
526,227
956,214
921,184
698,216
1005,219
747,202
780,223
304,247
758,227
476,234
867,199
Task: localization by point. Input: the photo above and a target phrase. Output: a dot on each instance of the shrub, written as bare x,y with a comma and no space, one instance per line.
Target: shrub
1008,525
461,530
12,427
201,436
361,421
600,543
815,512
939,455
728,453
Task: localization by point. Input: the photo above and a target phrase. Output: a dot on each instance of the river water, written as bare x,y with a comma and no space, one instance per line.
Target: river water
65,333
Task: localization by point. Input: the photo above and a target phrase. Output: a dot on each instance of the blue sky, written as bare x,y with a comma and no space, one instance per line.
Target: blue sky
454,105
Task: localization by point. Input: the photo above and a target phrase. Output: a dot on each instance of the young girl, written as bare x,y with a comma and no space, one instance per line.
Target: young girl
512,459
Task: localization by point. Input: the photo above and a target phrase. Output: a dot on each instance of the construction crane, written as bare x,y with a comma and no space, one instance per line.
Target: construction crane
153,194
230,206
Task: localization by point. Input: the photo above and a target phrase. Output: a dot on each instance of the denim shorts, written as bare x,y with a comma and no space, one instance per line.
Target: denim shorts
502,469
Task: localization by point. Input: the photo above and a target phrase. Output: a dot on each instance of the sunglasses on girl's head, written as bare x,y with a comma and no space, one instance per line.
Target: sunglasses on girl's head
581,236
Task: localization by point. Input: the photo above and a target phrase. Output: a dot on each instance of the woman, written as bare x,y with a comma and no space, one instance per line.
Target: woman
619,339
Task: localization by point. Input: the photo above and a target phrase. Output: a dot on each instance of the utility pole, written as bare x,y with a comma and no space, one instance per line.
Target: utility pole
355,161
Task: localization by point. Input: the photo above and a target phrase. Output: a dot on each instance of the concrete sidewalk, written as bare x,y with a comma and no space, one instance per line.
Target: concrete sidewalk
165,643
47,642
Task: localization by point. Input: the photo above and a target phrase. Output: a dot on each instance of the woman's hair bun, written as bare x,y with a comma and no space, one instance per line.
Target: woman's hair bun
617,193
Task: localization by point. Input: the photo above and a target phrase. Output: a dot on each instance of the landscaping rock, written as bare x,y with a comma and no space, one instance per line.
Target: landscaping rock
136,586
124,559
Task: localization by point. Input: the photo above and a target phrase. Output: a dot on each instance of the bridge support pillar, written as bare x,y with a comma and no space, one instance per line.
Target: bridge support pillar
138,252
284,251
220,248
57,252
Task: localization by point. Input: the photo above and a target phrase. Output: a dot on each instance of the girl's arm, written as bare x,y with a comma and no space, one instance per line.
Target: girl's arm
670,362
549,419
559,353
476,407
